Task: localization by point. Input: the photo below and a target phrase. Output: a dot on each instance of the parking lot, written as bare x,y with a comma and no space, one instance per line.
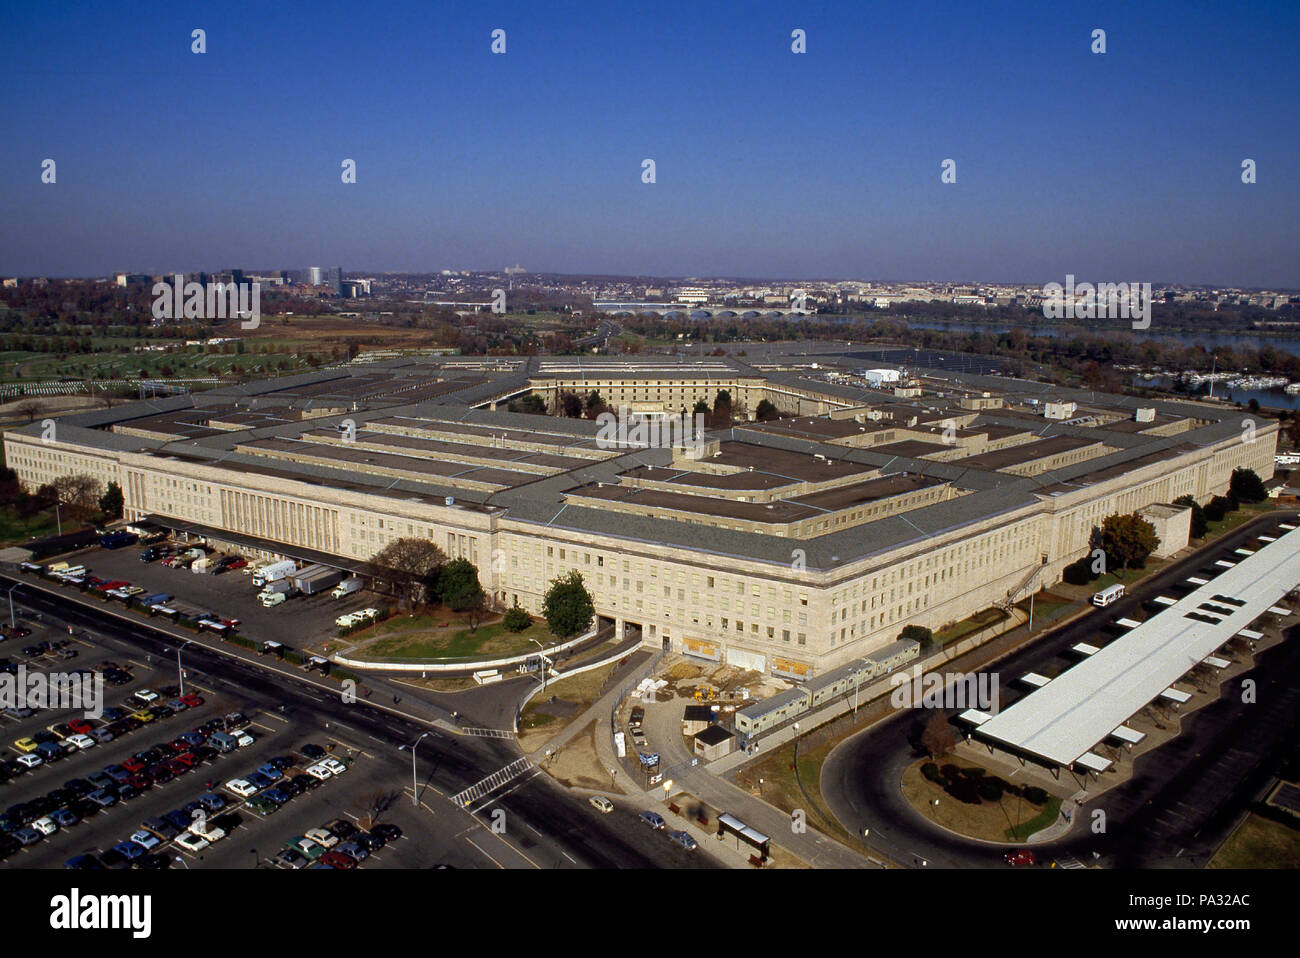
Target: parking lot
297,623
365,792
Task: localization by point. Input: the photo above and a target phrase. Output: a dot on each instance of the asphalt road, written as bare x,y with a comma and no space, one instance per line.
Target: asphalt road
545,826
1174,811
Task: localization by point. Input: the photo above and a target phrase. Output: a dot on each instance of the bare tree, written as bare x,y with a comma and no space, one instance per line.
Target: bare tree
938,738
31,408
79,494
410,566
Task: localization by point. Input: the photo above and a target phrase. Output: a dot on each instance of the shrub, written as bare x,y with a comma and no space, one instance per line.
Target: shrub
931,771
1079,572
1034,795
965,791
516,620
951,772
990,789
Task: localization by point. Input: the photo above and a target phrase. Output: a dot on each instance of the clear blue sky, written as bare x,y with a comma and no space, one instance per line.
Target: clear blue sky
1123,166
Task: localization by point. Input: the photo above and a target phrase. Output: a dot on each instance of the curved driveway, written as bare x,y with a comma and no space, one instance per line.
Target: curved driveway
1182,801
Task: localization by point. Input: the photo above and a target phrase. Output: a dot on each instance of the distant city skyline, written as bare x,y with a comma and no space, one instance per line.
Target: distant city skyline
1113,167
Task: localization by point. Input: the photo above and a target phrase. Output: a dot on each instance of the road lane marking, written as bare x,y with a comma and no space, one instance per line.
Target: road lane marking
493,860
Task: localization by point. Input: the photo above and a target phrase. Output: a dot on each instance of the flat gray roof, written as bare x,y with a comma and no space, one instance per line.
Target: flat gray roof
1084,704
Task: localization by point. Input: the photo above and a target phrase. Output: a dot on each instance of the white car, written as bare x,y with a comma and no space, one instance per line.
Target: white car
315,771
321,837
146,839
334,765
210,832
368,613
191,842
243,738
352,618
30,761
147,695
242,787
46,825
601,803
82,742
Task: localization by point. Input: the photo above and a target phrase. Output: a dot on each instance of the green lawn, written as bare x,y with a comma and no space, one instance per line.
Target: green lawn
423,638
965,627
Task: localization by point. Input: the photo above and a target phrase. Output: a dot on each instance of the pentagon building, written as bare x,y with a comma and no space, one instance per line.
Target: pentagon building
789,546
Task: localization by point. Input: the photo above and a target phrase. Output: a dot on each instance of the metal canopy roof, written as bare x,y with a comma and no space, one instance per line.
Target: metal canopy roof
1083,705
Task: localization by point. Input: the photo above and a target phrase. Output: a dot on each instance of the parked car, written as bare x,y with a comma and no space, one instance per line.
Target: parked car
601,803
306,847
322,837
242,787
684,839
338,860
653,819
1020,856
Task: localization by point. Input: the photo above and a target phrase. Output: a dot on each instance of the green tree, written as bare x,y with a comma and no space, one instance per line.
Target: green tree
1200,525
1127,540
568,607
111,502
1246,486
918,633
458,586
765,410
701,407
516,619
595,405
722,405
532,404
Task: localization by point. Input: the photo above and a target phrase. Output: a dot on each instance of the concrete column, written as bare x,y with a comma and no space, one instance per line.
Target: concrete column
618,629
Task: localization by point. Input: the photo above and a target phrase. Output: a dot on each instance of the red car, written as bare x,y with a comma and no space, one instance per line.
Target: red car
188,759
177,766
1021,856
238,564
133,765
107,586
338,860
192,700
80,726
139,780
160,774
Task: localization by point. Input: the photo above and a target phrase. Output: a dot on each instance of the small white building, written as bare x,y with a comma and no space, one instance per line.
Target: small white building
1059,410
879,377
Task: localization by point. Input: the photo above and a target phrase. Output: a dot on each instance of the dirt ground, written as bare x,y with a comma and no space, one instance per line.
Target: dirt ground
576,765
716,683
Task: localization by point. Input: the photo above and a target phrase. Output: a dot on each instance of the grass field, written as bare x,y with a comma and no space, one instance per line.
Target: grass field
436,637
1259,843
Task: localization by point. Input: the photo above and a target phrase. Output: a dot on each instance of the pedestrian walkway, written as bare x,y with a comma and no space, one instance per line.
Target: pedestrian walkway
492,782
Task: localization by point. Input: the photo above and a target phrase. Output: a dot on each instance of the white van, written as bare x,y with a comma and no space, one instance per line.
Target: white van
1107,596
271,599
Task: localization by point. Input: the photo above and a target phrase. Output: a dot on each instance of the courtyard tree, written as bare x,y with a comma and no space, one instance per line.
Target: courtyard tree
568,607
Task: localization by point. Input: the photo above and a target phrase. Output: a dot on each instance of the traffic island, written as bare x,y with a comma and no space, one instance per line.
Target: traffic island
969,800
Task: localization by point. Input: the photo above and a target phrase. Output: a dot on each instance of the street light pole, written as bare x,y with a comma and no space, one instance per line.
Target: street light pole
58,516
543,657
180,673
415,786
13,621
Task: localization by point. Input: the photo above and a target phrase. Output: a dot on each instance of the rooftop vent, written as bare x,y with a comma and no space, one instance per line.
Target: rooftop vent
450,501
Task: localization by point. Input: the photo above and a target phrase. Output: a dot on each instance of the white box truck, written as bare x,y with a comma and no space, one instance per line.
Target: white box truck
274,572
316,578
346,587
